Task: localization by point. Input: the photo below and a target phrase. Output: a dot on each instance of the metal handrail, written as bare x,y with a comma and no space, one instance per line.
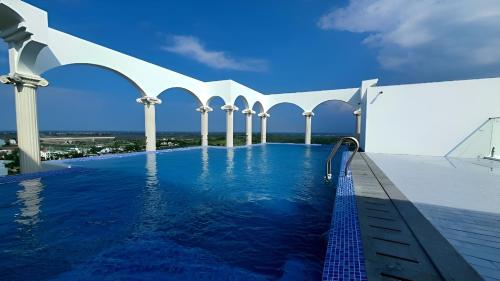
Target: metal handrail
334,151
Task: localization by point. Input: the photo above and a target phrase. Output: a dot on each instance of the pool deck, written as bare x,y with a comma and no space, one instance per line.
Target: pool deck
400,242
460,197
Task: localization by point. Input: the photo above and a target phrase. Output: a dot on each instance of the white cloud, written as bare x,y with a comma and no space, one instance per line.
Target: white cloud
459,36
191,47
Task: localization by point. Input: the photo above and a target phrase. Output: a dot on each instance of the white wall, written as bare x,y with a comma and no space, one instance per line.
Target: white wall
428,119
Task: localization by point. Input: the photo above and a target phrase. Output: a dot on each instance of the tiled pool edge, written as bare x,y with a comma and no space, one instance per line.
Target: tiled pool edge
344,258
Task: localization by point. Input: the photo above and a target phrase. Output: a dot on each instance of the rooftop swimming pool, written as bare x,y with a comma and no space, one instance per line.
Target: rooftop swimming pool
252,213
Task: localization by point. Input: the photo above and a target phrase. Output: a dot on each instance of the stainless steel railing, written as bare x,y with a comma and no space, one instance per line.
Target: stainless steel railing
334,151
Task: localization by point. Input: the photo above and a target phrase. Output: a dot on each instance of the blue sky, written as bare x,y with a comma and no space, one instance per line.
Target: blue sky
271,46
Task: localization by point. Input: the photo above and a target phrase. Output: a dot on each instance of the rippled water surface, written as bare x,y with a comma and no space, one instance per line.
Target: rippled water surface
251,213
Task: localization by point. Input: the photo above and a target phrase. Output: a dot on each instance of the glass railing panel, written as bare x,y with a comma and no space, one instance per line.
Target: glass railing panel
480,142
495,138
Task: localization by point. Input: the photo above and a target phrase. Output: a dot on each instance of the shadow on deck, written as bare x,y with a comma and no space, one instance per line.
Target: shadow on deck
399,242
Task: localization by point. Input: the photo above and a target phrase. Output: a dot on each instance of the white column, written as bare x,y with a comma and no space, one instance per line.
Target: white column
263,126
357,131
308,116
248,123
26,119
204,110
150,120
229,109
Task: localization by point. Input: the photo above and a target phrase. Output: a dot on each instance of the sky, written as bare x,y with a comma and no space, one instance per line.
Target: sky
271,46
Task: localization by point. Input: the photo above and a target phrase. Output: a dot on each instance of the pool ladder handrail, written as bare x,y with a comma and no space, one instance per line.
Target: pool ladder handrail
334,151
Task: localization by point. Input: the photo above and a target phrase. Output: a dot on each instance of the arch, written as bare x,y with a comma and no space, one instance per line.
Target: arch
333,117
130,80
210,99
286,117
285,102
334,100
257,121
9,18
217,118
68,97
177,112
25,26
200,103
245,101
260,106
239,125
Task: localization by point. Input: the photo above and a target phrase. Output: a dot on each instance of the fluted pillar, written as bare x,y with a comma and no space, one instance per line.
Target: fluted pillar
248,123
229,109
263,126
28,139
357,131
308,134
150,120
204,110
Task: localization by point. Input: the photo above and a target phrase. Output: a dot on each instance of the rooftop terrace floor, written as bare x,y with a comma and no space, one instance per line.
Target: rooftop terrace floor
460,197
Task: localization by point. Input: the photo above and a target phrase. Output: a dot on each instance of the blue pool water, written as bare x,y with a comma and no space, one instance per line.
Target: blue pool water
251,213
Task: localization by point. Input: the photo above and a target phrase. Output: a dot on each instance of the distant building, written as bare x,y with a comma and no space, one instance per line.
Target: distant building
2,143
5,151
75,149
12,142
105,150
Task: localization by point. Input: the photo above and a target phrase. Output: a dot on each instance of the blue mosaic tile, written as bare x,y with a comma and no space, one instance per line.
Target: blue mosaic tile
344,257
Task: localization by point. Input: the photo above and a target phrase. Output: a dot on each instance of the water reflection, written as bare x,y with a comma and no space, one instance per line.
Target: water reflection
308,172
152,197
151,171
230,161
248,159
204,164
307,158
263,159
30,197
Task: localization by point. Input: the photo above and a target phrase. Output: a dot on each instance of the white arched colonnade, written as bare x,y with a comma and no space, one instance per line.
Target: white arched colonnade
35,48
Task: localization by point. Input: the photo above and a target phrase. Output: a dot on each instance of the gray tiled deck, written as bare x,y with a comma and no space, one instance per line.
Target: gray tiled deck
399,242
460,197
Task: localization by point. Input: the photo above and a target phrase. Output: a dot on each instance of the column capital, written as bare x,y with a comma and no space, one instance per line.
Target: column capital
26,80
308,113
248,111
264,115
357,112
204,109
148,100
229,107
